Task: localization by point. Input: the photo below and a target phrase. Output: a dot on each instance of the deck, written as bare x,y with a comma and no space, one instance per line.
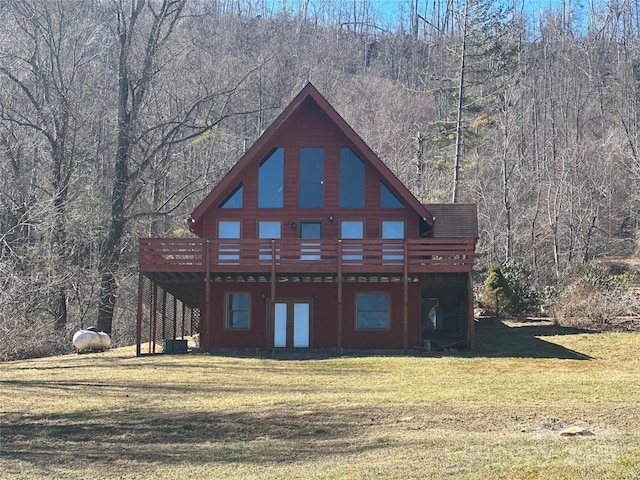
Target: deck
306,256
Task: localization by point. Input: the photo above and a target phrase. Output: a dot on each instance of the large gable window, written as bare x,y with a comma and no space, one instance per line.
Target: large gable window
351,180
311,186
388,199
271,180
234,200
372,311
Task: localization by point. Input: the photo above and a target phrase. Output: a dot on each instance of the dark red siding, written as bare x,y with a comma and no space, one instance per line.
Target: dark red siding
324,315
311,128
381,339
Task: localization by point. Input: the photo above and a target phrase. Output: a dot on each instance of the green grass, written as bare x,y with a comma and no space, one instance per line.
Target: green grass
494,415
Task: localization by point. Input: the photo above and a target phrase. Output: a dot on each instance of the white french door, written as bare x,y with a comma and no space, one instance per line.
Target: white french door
291,324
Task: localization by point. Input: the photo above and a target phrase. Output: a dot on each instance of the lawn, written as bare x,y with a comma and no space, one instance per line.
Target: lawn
494,415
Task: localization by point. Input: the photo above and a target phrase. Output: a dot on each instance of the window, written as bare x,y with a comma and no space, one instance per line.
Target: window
234,200
393,230
271,180
311,186
388,199
372,311
351,229
351,180
310,251
229,230
237,310
268,229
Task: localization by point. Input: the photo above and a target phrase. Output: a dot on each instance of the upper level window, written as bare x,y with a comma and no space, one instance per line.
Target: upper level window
268,229
311,186
237,310
388,199
351,180
234,200
393,251
229,230
393,229
271,180
351,230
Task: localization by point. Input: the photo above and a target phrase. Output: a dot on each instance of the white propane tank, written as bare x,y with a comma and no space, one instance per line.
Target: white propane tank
91,340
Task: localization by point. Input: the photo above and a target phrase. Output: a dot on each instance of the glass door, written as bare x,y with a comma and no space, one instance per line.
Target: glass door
301,322
310,230
292,324
280,325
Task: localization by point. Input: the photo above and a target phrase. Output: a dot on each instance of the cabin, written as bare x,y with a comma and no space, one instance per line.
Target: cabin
311,242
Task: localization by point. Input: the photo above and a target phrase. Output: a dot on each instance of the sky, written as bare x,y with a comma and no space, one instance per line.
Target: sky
389,12
393,9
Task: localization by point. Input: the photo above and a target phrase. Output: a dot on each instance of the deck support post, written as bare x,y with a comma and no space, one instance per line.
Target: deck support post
405,307
273,271
175,318
164,314
153,319
139,315
207,292
184,314
339,259
470,316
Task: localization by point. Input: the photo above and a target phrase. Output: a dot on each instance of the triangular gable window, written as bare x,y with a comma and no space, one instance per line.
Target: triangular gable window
388,199
234,200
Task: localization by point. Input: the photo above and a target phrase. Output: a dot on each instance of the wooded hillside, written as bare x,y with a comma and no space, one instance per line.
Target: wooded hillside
117,118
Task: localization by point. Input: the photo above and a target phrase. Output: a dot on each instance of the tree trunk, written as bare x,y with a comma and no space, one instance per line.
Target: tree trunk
508,251
110,253
132,89
459,132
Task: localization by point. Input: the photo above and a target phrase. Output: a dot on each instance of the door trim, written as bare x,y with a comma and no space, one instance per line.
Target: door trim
290,302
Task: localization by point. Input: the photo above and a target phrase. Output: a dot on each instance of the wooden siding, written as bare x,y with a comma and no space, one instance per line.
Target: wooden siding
308,121
310,127
324,315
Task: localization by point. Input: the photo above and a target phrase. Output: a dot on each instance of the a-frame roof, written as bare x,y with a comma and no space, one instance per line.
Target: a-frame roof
309,92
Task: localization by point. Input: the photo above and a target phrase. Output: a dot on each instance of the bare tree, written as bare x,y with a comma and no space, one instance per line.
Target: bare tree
153,119
44,74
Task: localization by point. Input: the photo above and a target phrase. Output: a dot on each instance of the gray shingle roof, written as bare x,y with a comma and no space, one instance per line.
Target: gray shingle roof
454,220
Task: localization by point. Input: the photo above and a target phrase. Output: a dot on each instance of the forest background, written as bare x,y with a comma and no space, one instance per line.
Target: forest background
118,117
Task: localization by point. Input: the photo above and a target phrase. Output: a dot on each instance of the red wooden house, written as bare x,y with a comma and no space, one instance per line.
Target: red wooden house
310,242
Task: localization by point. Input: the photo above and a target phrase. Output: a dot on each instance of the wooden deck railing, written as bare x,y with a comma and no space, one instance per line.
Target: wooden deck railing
307,255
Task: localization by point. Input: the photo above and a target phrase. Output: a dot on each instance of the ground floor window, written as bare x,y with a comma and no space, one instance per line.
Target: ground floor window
372,310
237,310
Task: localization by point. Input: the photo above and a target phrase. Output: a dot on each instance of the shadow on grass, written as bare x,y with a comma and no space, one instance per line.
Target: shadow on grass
264,436
497,339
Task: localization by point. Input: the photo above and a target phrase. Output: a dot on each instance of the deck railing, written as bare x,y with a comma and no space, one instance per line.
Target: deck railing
307,255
